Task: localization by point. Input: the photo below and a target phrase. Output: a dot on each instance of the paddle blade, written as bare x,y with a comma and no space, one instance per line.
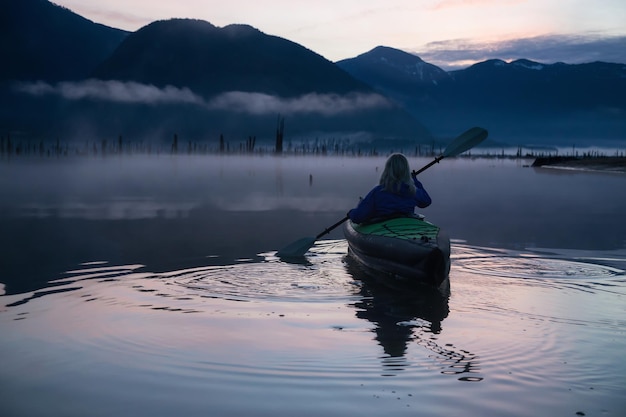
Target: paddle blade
465,141
297,248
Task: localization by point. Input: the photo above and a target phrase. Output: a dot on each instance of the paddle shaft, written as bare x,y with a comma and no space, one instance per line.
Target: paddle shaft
424,168
331,228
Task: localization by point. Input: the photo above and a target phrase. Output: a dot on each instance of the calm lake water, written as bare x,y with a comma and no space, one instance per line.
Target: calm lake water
149,286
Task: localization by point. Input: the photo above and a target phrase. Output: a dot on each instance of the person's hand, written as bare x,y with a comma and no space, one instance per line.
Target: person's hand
414,174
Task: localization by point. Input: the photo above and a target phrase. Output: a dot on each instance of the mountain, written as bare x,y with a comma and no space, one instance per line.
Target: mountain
243,79
391,71
517,101
556,86
211,60
43,41
73,79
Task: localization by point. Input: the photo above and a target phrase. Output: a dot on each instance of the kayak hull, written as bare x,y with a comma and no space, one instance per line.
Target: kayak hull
401,252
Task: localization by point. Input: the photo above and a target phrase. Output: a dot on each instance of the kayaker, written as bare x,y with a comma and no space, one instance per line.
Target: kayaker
397,194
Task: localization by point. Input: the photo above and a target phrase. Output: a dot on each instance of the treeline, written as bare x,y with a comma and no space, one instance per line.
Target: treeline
121,146
10,147
575,161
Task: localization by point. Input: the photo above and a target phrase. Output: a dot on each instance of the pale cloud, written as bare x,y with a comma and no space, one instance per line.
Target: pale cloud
571,49
109,14
449,4
118,91
326,104
236,101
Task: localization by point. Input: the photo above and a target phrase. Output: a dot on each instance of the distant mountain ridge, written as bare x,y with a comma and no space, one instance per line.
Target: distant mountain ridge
564,85
516,99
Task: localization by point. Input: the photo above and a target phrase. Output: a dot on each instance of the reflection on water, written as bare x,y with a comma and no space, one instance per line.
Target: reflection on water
401,318
151,287
269,330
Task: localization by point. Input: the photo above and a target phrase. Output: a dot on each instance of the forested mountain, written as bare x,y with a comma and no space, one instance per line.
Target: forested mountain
520,100
211,60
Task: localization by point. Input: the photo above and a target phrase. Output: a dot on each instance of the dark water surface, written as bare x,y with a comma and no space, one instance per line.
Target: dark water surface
149,287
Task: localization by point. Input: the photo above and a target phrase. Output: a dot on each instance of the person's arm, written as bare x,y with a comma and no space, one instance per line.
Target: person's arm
422,198
364,209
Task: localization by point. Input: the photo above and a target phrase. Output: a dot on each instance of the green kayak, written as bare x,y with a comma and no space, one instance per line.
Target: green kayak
403,250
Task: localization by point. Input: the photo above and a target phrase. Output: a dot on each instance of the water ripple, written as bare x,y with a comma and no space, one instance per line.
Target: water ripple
511,319
529,265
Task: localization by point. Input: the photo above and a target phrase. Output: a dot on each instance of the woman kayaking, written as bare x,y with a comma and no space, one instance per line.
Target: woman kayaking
397,194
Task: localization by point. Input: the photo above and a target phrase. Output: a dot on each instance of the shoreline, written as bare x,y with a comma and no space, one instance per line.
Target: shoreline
589,163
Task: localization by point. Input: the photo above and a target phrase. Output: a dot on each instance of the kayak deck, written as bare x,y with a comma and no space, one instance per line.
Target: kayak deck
408,228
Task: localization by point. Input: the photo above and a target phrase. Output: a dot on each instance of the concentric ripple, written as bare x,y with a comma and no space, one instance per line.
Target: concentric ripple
320,278
527,265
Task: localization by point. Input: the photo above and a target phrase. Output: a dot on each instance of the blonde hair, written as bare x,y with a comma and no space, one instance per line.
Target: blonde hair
396,173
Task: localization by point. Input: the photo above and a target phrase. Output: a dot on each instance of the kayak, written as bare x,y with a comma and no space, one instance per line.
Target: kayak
402,251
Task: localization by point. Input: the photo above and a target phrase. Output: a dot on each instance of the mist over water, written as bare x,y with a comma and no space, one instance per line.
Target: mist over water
240,206
150,286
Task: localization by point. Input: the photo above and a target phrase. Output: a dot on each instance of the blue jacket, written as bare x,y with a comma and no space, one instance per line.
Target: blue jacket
381,203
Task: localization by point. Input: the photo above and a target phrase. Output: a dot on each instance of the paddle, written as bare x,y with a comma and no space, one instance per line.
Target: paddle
467,140
462,143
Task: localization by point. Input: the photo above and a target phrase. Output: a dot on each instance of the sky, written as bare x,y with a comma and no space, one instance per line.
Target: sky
452,34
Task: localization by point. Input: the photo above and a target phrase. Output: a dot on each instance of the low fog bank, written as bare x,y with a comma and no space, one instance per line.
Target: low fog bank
96,110
199,210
